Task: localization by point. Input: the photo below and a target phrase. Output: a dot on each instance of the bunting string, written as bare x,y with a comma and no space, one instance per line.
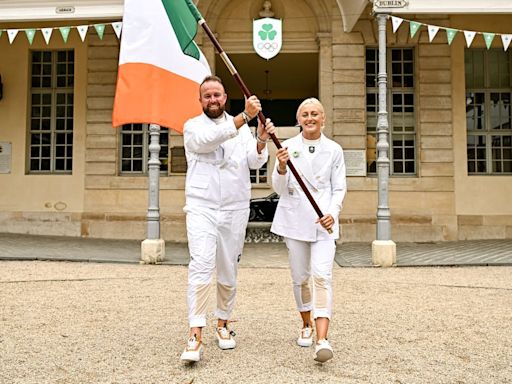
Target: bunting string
30,33
414,26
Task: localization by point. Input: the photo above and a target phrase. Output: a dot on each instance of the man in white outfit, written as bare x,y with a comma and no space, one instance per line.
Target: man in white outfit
220,151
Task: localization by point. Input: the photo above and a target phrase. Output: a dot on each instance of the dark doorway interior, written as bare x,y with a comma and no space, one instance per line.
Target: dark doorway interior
280,83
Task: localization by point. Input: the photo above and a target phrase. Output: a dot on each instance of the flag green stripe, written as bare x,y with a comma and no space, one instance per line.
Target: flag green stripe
194,10
184,24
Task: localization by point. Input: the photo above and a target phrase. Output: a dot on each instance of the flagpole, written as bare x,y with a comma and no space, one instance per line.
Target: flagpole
199,18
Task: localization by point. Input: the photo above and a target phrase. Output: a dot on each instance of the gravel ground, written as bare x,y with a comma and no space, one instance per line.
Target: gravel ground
63,322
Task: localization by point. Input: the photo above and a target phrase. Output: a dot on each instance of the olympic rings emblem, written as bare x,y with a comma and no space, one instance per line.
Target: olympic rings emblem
270,47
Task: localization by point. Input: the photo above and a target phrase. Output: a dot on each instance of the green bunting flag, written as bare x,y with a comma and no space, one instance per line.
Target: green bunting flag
506,39
414,26
100,29
30,35
64,31
450,34
488,37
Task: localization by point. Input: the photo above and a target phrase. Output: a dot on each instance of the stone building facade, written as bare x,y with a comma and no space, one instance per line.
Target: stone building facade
450,147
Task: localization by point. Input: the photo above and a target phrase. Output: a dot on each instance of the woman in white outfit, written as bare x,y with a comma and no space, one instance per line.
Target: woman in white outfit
311,240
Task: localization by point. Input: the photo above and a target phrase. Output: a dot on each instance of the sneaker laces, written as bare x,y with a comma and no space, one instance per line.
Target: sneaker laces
307,331
192,342
225,333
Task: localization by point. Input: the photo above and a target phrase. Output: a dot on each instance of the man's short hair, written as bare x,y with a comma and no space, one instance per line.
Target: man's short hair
212,78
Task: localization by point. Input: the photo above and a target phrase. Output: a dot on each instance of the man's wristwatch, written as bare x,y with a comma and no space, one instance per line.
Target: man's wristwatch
259,140
246,117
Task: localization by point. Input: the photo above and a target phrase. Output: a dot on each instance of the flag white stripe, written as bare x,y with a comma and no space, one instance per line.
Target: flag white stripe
148,37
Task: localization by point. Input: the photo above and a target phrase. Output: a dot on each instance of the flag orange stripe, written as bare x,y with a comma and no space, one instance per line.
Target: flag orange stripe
148,94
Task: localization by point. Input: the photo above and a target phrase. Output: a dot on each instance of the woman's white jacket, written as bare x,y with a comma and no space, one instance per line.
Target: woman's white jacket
325,178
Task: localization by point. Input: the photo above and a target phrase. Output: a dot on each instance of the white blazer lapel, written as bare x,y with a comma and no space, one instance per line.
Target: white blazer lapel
323,157
298,158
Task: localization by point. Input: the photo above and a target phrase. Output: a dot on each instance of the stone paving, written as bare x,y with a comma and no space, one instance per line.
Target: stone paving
469,252
262,254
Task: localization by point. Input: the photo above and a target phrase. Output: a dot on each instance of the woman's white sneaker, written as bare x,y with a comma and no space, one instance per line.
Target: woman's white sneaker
323,351
193,350
306,337
225,338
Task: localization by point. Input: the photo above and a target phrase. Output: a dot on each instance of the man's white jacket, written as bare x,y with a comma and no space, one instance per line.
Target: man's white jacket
219,158
325,178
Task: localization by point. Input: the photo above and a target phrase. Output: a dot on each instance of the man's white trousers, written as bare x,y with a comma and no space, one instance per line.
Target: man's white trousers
215,241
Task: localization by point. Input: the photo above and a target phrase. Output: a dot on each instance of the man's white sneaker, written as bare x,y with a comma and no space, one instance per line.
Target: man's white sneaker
225,338
306,337
323,351
193,350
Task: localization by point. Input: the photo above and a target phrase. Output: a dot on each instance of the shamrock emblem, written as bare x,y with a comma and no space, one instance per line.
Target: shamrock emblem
267,31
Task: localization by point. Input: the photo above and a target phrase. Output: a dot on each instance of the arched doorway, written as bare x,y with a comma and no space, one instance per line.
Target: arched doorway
297,72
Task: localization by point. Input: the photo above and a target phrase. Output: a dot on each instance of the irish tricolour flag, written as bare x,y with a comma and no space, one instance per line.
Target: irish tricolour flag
160,66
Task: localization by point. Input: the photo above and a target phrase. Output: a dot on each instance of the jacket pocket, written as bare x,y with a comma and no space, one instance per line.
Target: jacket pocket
200,181
289,202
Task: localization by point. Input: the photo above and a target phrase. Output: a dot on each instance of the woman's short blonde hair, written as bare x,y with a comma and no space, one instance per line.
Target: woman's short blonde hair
311,100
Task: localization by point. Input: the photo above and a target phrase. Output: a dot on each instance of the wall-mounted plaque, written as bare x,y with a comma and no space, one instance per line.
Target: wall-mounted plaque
5,157
390,3
355,162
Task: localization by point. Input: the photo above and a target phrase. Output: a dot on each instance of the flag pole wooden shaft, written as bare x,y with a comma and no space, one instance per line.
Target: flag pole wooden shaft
261,117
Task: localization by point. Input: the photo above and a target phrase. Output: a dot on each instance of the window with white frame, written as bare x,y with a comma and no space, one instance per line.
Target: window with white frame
259,176
51,112
400,99
488,111
135,141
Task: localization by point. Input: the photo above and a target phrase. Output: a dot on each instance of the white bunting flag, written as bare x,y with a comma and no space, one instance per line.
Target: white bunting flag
47,33
506,41
396,21
82,30
12,34
469,35
432,32
117,28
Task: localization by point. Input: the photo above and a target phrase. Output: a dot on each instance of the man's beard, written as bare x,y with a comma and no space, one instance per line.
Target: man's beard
213,114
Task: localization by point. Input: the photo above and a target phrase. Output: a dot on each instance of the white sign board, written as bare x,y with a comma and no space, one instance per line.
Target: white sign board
355,162
5,157
390,3
267,37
